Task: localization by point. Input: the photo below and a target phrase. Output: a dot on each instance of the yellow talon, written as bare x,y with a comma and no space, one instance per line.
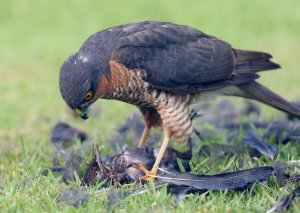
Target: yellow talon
149,175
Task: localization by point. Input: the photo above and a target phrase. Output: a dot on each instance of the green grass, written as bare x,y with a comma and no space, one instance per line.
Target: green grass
37,36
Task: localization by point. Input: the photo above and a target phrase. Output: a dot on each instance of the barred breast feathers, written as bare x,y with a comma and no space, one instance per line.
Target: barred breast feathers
129,86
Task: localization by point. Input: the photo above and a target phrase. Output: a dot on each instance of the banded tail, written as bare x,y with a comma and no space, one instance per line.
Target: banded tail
247,62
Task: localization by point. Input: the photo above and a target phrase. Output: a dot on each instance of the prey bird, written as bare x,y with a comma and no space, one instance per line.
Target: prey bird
162,68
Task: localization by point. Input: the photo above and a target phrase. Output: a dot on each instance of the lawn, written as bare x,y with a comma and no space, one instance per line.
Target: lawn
37,36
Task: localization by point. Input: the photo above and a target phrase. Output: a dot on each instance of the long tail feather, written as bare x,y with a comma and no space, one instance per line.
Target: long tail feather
258,92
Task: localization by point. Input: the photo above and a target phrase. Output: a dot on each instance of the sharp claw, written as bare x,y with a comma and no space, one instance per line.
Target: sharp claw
140,167
149,175
147,178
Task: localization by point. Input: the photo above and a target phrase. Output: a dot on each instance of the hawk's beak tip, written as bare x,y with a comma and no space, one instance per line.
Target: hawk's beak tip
84,116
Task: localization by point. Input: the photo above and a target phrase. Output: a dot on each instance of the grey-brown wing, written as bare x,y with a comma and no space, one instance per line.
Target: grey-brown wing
178,58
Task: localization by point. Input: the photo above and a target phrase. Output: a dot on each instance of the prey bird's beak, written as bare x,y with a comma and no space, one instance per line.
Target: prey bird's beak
82,113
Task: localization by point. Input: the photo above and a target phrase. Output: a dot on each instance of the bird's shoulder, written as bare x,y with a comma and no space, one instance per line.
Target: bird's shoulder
172,56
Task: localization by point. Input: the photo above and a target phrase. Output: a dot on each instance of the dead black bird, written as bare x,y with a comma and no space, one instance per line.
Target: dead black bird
121,169
116,169
97,170
126,168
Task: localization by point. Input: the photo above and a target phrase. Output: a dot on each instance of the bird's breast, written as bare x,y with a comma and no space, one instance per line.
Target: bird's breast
128,86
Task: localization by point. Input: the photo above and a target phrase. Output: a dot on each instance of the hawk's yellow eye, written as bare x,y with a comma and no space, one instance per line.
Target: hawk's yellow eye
89,95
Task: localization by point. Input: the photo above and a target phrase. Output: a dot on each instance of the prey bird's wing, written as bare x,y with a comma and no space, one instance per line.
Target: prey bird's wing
179,58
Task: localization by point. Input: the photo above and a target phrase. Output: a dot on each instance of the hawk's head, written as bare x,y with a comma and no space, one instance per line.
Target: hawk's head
78,81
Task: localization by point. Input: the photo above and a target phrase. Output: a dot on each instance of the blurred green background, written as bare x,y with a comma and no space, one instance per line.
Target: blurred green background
36,36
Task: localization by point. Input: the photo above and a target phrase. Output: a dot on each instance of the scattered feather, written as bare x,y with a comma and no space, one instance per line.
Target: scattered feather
227,112
131,131
231,180
278,131
74,197
285,202
118,196
280,173
178,192
63,134
221,150
63,138
256,142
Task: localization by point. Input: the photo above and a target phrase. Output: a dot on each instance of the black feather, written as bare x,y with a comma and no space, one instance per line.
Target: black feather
285,202
258,92
251,61
230,180
256,142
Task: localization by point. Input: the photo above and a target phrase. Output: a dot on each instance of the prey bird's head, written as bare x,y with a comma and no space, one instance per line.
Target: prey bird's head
78,81
96,170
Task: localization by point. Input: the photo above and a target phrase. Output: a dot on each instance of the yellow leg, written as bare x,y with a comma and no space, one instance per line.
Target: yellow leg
144,137
149,175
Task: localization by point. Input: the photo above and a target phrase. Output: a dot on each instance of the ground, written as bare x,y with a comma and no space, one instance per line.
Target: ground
37,36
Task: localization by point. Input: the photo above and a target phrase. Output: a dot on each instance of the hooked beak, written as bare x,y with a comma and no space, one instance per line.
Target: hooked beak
82,113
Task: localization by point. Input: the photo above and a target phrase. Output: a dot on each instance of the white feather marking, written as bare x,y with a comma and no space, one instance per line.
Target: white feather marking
84,59
172,101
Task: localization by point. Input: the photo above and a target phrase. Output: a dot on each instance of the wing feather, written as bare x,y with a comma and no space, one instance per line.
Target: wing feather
175,57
